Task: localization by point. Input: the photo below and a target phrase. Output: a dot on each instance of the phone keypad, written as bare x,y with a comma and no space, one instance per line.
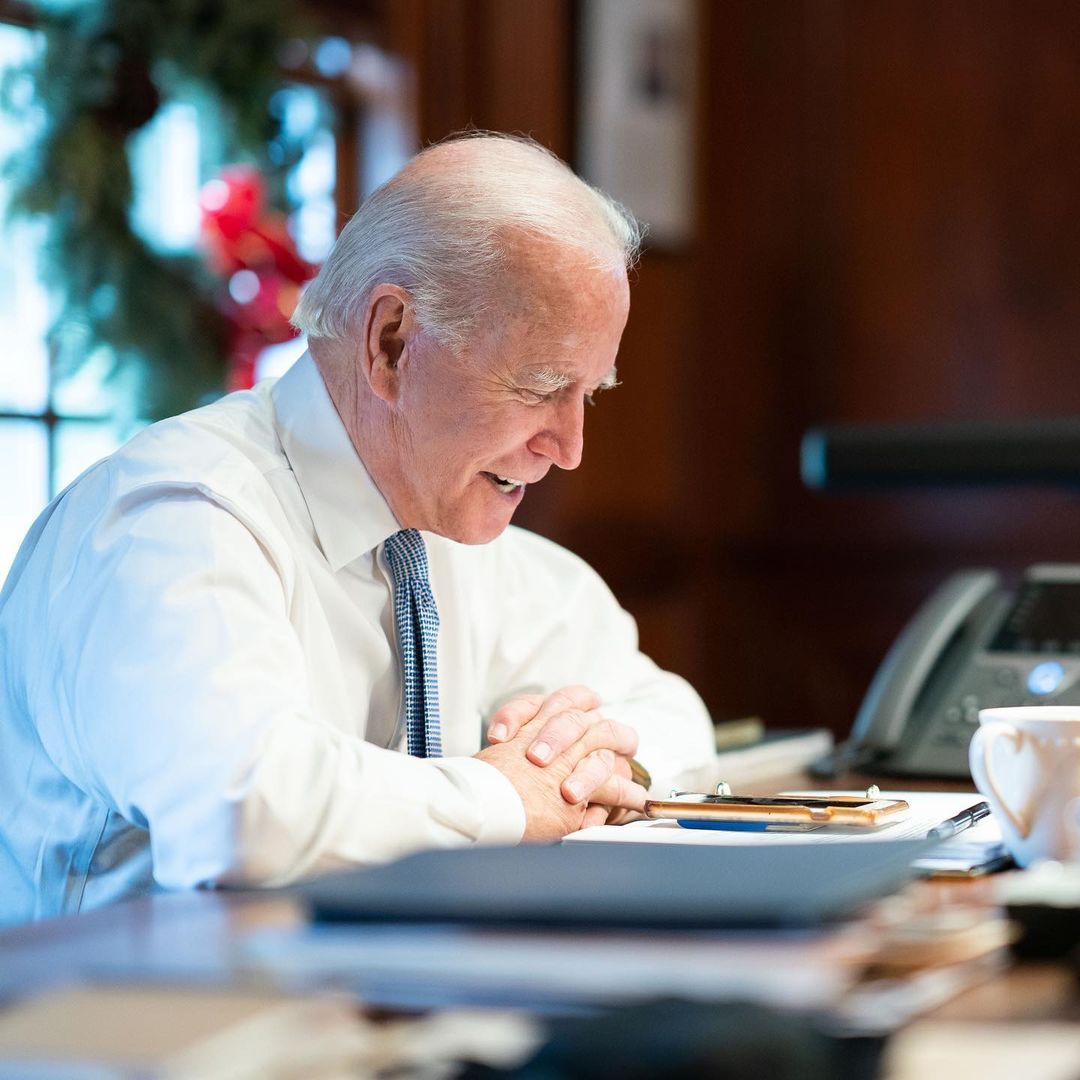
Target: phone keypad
997,686
949,712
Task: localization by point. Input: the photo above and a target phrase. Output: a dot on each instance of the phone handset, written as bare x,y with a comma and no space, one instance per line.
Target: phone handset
891,698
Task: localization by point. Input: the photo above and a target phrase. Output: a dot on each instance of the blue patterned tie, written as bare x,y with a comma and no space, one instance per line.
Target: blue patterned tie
417,620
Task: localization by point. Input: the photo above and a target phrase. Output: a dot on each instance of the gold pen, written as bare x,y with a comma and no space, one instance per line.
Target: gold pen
639,774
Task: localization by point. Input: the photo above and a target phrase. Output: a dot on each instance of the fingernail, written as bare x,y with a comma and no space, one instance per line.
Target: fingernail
497,732
574,790
541,751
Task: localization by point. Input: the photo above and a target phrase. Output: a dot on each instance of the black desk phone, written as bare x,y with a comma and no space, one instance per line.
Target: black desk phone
972,645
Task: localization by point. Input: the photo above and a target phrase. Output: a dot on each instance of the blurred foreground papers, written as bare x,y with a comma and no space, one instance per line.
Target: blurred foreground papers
620,885
556,929
423,967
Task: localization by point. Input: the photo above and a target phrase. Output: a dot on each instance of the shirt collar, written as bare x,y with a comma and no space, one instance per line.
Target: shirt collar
348,511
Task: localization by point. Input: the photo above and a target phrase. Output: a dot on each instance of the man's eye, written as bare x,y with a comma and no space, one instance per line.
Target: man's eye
535,397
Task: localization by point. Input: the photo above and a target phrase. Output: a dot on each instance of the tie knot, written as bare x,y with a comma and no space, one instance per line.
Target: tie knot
407,556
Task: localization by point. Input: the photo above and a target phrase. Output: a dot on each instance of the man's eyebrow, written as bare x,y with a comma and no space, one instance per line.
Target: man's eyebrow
609,381
549,379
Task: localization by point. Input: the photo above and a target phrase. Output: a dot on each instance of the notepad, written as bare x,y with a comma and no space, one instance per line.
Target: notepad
969,852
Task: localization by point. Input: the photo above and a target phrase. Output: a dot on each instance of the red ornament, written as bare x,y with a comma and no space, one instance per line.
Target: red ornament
231,205
253,251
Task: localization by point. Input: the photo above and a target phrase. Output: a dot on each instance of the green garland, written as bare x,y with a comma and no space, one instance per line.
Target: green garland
103,74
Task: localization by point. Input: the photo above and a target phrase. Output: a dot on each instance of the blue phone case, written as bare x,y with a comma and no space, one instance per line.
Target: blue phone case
746,826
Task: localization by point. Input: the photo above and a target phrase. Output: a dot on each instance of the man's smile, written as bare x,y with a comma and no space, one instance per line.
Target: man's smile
508,485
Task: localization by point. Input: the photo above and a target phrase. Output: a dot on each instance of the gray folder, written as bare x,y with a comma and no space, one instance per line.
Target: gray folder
621,885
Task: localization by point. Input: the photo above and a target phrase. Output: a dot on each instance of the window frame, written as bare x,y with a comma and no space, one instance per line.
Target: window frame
348,116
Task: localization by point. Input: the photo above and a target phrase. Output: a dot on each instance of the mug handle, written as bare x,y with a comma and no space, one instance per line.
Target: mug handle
982,769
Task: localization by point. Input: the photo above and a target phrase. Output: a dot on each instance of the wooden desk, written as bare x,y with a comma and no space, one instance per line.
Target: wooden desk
195,935
192,933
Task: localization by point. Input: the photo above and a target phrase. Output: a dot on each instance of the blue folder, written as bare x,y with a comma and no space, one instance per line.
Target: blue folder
614,885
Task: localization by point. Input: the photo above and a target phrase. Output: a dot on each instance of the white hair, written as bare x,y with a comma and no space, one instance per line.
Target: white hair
441,228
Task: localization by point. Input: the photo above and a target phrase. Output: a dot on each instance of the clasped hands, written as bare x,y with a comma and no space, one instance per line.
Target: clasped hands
567,761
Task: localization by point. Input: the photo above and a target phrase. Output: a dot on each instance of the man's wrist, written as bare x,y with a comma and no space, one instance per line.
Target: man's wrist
501,811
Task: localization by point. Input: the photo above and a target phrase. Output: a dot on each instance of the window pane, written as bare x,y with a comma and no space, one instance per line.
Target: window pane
387,138
24,454
307,120
79,443
87,391
24,303
275,360
164,159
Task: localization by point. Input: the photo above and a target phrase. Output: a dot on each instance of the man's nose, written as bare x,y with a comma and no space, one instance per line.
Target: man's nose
562,439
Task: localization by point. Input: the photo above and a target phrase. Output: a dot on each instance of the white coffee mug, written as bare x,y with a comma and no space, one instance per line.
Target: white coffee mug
1026,761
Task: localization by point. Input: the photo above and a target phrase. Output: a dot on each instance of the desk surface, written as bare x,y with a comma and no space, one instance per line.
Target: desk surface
196,933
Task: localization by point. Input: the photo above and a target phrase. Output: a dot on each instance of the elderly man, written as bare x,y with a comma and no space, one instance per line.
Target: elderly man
219,641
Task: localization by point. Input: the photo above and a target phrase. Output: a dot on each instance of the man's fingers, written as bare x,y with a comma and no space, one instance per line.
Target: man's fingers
560,721
537,708
590,775
560,731
600,733
618,792
595,814
506,723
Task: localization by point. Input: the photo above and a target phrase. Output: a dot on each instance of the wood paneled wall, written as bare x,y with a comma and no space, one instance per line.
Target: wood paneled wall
889,229
893,217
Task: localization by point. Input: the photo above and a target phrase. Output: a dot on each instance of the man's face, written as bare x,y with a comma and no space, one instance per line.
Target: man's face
473,430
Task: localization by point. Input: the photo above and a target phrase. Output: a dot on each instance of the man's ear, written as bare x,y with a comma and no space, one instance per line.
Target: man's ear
389,328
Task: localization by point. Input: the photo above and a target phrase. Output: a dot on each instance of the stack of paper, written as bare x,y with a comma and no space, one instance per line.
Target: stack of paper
979,847
419,967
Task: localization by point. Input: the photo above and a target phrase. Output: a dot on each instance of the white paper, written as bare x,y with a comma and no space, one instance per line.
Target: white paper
928,808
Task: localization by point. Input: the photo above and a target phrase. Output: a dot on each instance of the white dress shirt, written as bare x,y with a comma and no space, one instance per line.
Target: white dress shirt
201,678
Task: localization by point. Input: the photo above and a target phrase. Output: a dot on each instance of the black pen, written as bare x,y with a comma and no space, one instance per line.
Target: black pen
959,822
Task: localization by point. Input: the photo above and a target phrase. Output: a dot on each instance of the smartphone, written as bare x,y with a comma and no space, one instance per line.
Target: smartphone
859,811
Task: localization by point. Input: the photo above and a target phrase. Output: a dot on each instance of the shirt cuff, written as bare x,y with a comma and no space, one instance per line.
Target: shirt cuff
502,813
